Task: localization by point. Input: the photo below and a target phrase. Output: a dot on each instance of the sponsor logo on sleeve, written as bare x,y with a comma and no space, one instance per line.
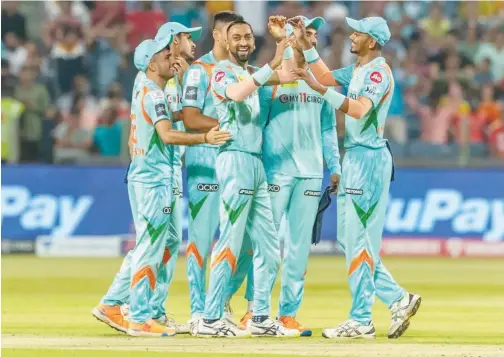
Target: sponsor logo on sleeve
273,188
371,90
208,187
194,76
191,93
353,191
312,193
219,76
247,192
376,77
160,110
157,94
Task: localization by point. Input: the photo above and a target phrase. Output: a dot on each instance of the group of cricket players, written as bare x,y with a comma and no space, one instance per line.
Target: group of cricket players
255,142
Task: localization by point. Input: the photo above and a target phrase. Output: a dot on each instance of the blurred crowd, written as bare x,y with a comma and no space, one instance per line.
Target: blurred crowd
67,70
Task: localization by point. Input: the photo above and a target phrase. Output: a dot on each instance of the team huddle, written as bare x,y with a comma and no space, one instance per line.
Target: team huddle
255,142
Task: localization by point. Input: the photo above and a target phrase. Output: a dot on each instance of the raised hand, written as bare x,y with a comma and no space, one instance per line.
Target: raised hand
216,136
182,66
309,79
277,60
299,31
276,26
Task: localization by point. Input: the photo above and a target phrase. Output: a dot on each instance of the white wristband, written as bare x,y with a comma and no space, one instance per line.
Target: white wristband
263,74
288,53
334,98
311,55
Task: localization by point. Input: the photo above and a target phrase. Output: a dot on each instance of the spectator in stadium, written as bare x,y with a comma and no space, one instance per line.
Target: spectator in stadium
489,109
72,141
483,74
81,92
64,14
435,26
115,99
496,137
494,51
51,119
68,55
12,20
108,14
12,110
144,23
35,99
468,47
16,53
107,135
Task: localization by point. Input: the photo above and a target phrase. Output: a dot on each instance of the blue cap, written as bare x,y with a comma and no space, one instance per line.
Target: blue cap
174,28
376,27
316,23
147,49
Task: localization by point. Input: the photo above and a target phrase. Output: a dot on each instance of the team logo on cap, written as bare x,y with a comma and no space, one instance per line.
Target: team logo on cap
376,77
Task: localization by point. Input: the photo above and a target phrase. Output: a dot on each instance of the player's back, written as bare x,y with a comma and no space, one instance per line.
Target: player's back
295,116
242,119
151,159
374,81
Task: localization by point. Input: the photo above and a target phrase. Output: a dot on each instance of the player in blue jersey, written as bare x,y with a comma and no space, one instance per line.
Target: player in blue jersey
300,132
199,115
367,173
186,50
150,190
245,207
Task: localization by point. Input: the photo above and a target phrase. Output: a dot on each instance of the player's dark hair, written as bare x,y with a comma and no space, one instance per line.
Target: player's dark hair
239,22
225,17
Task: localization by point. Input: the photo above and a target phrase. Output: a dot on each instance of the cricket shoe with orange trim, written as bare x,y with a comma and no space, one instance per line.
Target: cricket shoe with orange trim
111,316
291,323
150,328
244,322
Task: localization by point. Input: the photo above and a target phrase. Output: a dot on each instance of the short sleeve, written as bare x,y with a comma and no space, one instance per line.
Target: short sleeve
328,117
154,103
221,78
376,85
195,86
343,75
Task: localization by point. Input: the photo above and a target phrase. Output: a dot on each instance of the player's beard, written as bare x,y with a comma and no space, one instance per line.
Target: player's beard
241,59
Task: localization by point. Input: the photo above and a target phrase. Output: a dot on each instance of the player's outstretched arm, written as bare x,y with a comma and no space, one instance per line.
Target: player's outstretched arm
317,66
170,136
356,108
276,27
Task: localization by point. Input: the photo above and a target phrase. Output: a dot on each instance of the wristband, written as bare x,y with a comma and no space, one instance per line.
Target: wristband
288,53
334,98
311,55
263,74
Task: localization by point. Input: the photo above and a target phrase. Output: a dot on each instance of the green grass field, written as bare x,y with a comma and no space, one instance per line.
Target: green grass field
46,306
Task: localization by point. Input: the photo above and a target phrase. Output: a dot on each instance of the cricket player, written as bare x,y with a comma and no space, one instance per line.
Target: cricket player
245,206
150,190
300,132
186,49
204,191
367,172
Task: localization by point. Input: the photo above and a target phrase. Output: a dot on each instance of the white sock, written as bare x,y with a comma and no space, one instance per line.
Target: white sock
250,306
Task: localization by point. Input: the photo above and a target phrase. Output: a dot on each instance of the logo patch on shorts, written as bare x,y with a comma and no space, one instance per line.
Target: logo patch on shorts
273,188
191,93
312,193
176,191
354,191
167,210
247,192
208,187
376,77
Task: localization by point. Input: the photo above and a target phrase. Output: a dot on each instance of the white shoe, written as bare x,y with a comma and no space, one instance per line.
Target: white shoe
402,311
350,329
193,325
271,327
168,321
219,328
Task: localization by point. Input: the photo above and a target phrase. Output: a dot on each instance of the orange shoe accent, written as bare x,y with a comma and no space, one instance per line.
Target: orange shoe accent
360,259
191,249
145,271
150,328
112,316
292,323
166,255
244,320
225,254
